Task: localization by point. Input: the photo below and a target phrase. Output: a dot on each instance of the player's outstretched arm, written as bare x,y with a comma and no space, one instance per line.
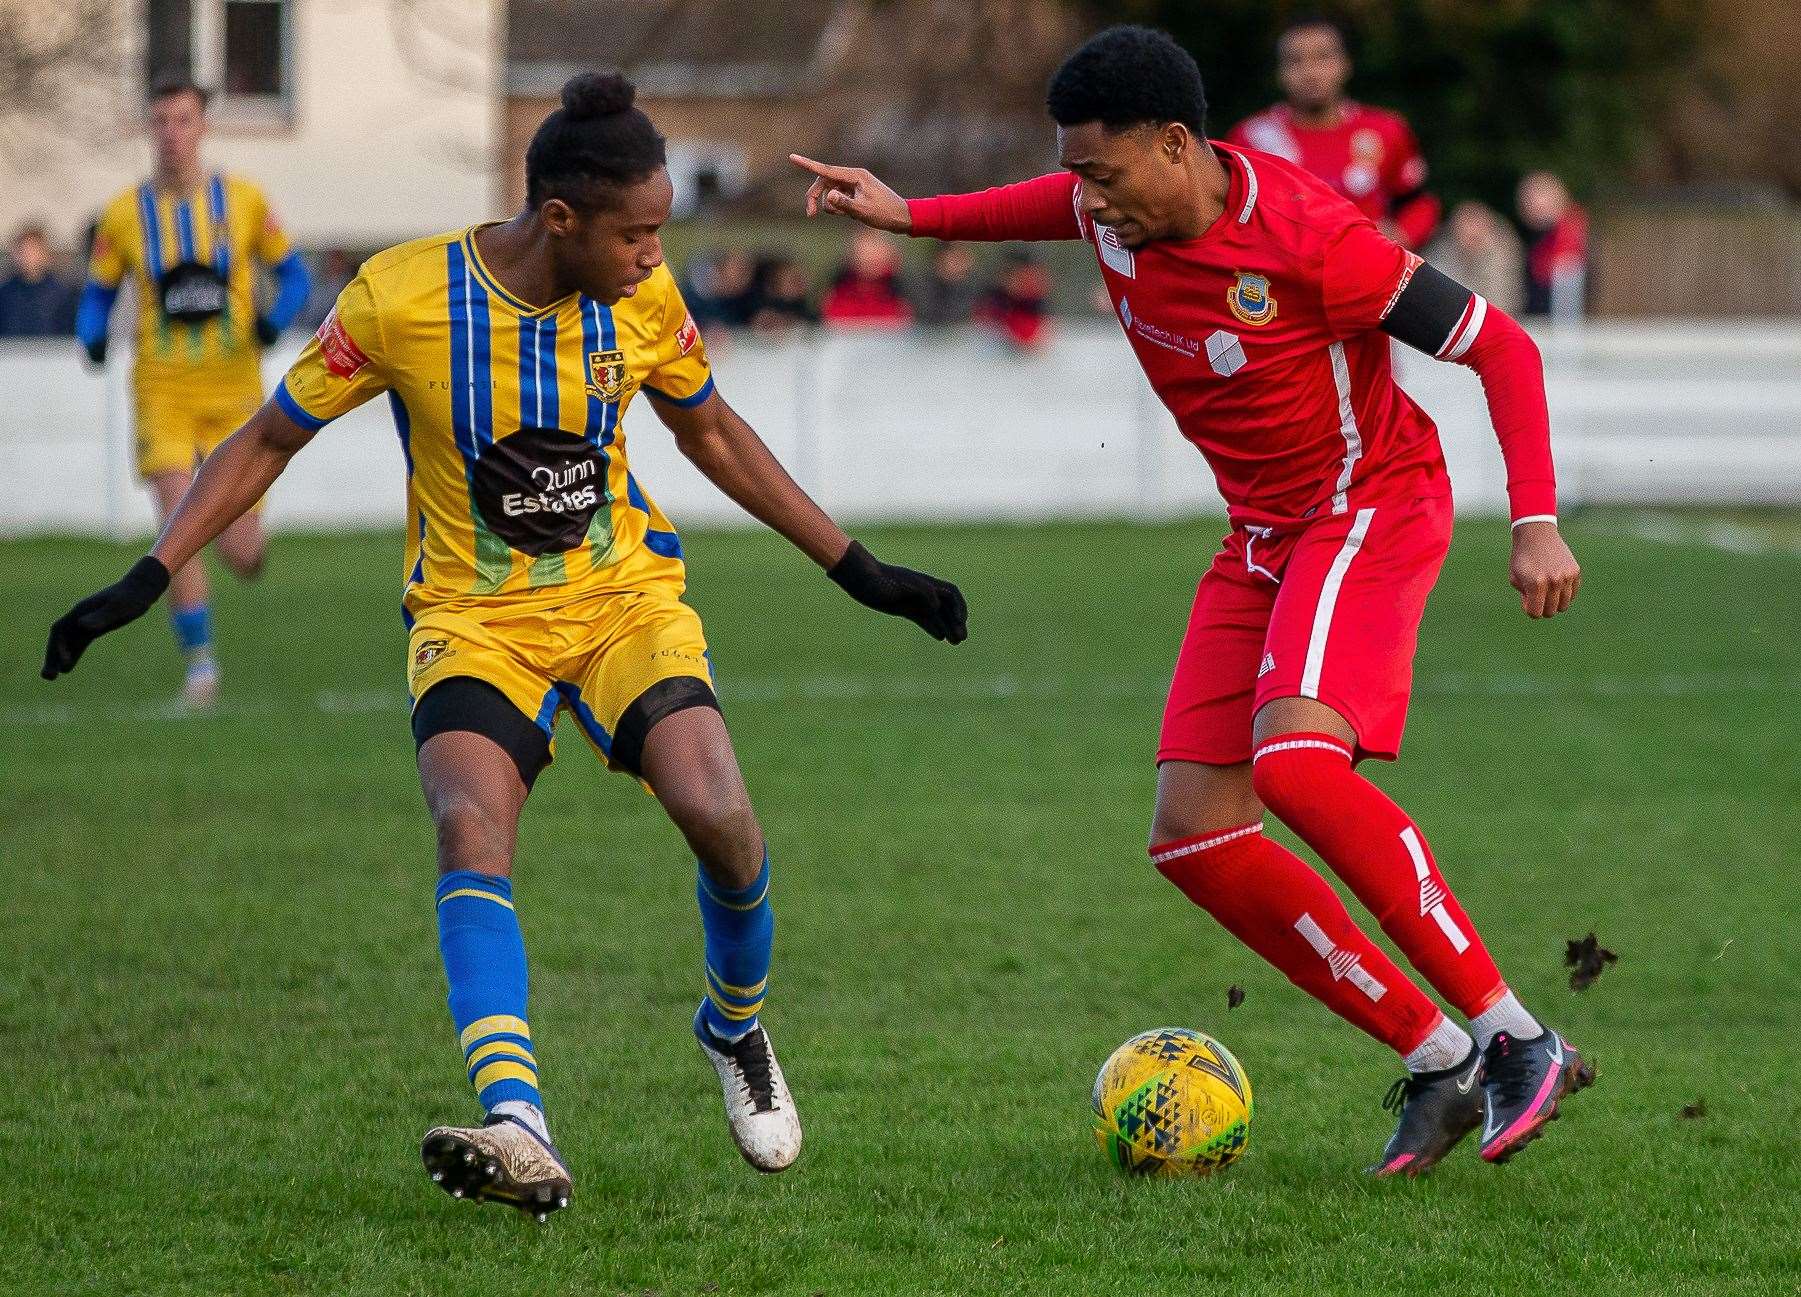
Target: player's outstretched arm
718,442
230,482
1489,341
1369,282
1032,210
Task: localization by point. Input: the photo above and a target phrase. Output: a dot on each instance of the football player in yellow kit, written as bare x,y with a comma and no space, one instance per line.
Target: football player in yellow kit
541,577
191,242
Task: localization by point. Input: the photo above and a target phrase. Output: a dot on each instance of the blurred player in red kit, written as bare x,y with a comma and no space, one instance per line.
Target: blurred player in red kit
1367,154
1260,304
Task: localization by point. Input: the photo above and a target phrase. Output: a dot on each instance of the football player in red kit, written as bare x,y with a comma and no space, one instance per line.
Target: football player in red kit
1260,304
1367,154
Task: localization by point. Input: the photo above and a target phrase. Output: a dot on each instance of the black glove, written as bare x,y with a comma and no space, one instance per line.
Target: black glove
266,332
935,606
96,352
126,600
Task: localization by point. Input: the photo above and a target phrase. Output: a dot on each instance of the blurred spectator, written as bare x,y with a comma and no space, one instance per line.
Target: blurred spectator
34,303
1369,155
718,289
866,290
335,269
1480,251
948,295
1556,247
1015,303
778,294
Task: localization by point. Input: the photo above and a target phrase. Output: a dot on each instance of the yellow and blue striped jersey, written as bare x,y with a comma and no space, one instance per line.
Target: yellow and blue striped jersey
224,230
510,422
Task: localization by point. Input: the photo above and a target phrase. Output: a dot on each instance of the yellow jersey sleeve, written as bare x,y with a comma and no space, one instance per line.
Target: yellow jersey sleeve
112,235
341,366
680,374
268,239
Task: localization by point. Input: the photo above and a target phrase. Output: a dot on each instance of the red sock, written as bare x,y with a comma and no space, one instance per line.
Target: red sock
1307,780
1266,897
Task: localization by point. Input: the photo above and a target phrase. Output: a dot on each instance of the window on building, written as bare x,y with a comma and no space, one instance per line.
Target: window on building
705,172
241,50
169,39
255,49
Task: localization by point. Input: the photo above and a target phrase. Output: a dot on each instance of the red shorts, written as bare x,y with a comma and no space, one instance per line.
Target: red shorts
1330,610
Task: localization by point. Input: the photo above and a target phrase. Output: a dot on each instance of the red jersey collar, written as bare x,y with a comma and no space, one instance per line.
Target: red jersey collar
1241,187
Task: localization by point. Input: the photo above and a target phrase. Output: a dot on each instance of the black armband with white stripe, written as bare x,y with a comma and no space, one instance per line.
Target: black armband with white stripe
1435,314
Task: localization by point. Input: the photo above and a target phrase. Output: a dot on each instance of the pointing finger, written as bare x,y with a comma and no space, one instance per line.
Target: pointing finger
844,174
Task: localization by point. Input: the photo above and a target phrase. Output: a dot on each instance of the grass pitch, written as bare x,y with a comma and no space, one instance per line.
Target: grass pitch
222,1016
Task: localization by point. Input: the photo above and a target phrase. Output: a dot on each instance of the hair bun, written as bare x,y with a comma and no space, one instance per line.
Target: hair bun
597,94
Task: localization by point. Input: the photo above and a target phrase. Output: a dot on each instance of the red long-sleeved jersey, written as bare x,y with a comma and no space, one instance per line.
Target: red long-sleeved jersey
1370,157
1264,338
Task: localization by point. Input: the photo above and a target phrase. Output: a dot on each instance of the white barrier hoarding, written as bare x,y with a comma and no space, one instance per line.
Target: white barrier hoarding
922,427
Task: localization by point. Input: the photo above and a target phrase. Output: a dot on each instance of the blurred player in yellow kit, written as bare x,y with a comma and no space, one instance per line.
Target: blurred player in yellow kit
540,577
191,242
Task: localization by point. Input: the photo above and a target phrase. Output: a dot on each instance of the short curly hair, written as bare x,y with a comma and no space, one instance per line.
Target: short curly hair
1129,76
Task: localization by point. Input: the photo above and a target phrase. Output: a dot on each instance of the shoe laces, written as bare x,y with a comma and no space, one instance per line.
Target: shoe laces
751,1054
1400,1092
1507,1070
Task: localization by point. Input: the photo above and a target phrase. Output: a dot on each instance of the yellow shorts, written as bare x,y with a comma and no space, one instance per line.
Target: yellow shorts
180,423
593,656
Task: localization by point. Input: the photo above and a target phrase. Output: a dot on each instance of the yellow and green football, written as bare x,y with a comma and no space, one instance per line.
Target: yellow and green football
1172,1102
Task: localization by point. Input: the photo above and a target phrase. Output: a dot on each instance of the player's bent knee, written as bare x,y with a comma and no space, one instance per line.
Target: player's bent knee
721,827
674,738
471,836
1194,799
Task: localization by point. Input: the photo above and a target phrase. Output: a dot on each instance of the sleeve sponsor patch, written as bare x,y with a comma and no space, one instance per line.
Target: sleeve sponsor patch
342,356
688,336
1411,264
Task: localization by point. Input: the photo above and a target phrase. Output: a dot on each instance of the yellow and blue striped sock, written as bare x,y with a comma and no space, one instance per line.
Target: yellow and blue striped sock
484,962
740,934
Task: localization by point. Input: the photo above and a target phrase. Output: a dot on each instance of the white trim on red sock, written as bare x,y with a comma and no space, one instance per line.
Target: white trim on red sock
1167,851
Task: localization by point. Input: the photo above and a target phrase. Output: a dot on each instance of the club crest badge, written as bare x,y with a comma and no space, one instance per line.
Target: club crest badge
1249,299
606,374
429,651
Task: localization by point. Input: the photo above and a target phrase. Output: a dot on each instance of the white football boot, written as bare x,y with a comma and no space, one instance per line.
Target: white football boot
200,683
503,1161
758,1107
